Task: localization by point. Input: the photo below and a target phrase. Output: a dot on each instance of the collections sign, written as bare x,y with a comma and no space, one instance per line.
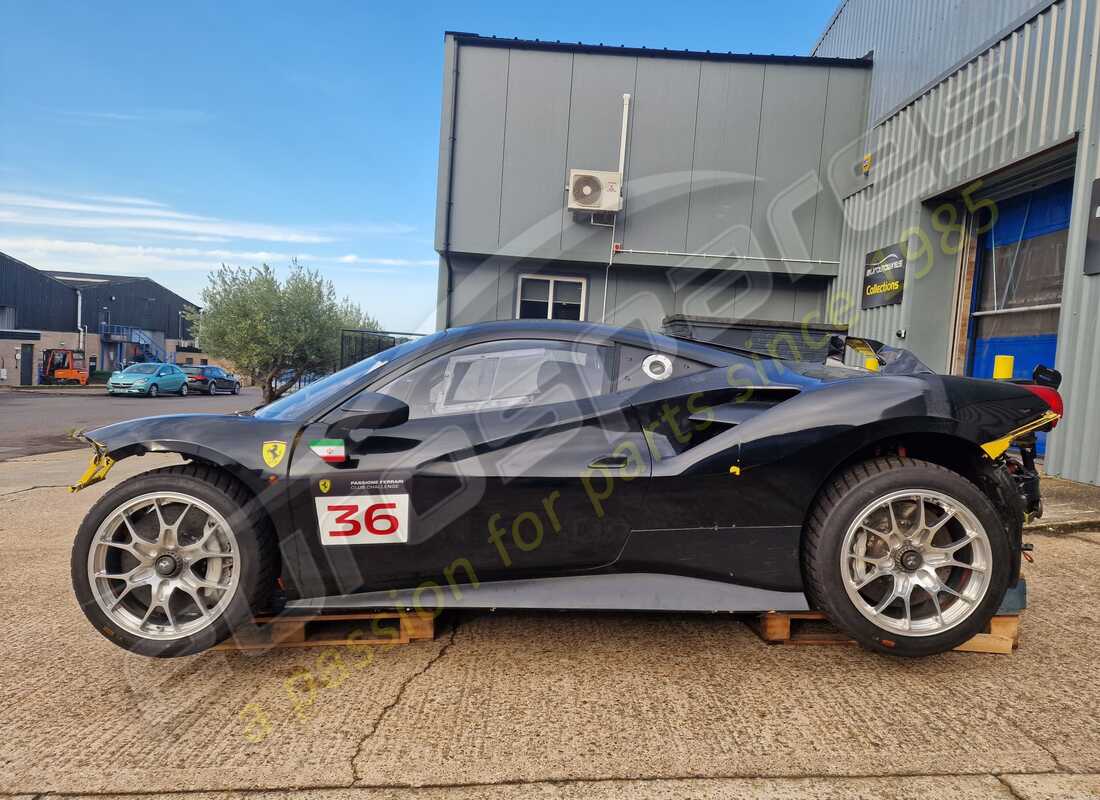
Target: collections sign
884,277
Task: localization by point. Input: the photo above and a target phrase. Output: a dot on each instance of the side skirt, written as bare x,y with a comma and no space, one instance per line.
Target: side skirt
616,592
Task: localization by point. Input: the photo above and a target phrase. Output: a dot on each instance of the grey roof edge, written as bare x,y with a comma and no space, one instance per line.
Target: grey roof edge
121,280
477,40
39,271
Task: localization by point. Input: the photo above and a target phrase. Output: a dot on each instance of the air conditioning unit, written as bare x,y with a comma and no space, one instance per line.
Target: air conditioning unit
594,191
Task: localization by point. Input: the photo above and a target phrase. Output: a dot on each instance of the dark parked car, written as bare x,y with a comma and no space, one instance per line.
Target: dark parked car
212,380
567,465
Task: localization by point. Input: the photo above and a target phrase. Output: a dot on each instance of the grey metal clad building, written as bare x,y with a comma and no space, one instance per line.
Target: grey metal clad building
725,156
984,127
926,177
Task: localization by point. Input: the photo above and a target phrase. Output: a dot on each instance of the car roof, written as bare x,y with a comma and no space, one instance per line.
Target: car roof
589,332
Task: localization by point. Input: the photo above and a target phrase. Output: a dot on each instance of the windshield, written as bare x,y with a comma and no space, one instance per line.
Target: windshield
293,405
141,369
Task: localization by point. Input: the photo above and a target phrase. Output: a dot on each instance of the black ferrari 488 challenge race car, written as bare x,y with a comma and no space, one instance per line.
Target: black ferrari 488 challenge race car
556,465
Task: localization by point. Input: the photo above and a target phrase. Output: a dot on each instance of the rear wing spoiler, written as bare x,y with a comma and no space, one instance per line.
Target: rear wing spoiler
891,360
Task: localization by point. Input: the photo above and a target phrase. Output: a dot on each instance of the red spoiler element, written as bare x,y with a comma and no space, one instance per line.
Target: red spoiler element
1048,396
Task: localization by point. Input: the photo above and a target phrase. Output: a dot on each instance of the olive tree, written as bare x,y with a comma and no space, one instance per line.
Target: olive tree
277,331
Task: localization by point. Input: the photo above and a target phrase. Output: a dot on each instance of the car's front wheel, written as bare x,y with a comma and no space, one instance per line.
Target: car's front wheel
169,562
906,557
154,390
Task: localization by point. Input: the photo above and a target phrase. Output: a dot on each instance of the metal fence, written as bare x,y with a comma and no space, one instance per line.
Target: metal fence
355,345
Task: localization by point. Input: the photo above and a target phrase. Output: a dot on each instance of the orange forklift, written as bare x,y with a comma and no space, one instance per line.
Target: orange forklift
63,366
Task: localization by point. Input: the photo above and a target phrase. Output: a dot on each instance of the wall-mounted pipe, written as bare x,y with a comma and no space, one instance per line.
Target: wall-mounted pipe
622,136
449,288
622,173
729,256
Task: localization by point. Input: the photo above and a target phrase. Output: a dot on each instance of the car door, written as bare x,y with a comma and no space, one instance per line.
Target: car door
704,516
517,460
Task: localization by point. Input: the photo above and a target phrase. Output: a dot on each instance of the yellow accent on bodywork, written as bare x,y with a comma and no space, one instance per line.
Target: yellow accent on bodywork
97,470
997,447
735,470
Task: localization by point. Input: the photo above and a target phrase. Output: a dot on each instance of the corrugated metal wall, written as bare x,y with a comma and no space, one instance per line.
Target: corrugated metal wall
1031,91
40,302
138,302
915,41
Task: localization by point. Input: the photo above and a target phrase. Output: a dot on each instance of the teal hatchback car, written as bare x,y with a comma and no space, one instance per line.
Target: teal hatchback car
149,380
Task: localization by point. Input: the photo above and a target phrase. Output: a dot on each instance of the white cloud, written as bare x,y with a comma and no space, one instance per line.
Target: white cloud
121,198
351,258
139,259
181,116
133,222
151,217
369,229
36,201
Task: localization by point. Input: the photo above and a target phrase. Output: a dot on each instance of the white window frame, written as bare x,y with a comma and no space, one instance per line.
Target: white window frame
583,281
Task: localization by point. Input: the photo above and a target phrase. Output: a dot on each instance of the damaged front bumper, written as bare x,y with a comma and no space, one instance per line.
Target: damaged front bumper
98,467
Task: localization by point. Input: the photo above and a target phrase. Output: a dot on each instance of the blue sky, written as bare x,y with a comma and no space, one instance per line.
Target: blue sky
164,139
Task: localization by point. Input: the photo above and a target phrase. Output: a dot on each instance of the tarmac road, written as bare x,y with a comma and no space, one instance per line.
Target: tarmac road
535,705
43,421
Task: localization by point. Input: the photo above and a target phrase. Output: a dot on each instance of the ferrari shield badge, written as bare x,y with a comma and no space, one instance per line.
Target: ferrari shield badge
324,485
273,453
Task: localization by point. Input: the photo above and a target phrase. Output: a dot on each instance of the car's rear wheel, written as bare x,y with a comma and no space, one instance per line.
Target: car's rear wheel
211,387
236,388
183,389
169,562
905,556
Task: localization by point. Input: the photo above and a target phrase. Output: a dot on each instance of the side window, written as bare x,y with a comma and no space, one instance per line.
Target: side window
639,366
498,375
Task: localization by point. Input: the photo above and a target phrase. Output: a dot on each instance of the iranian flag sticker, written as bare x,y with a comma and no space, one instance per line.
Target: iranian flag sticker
329,450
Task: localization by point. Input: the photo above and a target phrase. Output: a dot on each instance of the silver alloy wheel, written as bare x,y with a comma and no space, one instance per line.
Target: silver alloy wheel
183,390
164,565
153,390
916,562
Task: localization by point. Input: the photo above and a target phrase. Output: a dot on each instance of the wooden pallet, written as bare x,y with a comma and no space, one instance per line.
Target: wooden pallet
331,630
811,627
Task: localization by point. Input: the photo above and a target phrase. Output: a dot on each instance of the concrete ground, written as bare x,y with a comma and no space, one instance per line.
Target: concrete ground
43,420
536,705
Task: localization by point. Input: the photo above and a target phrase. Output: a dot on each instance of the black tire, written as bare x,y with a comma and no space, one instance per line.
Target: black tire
236,388
183,389
258,560
212,387
836,509
153,391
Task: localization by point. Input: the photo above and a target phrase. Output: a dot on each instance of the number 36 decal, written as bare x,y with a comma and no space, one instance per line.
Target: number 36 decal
363,519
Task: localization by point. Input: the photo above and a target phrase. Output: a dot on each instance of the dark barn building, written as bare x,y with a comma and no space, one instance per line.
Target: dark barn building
114,319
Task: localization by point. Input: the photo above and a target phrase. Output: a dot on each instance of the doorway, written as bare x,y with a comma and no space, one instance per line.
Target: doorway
26,364
1017,291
